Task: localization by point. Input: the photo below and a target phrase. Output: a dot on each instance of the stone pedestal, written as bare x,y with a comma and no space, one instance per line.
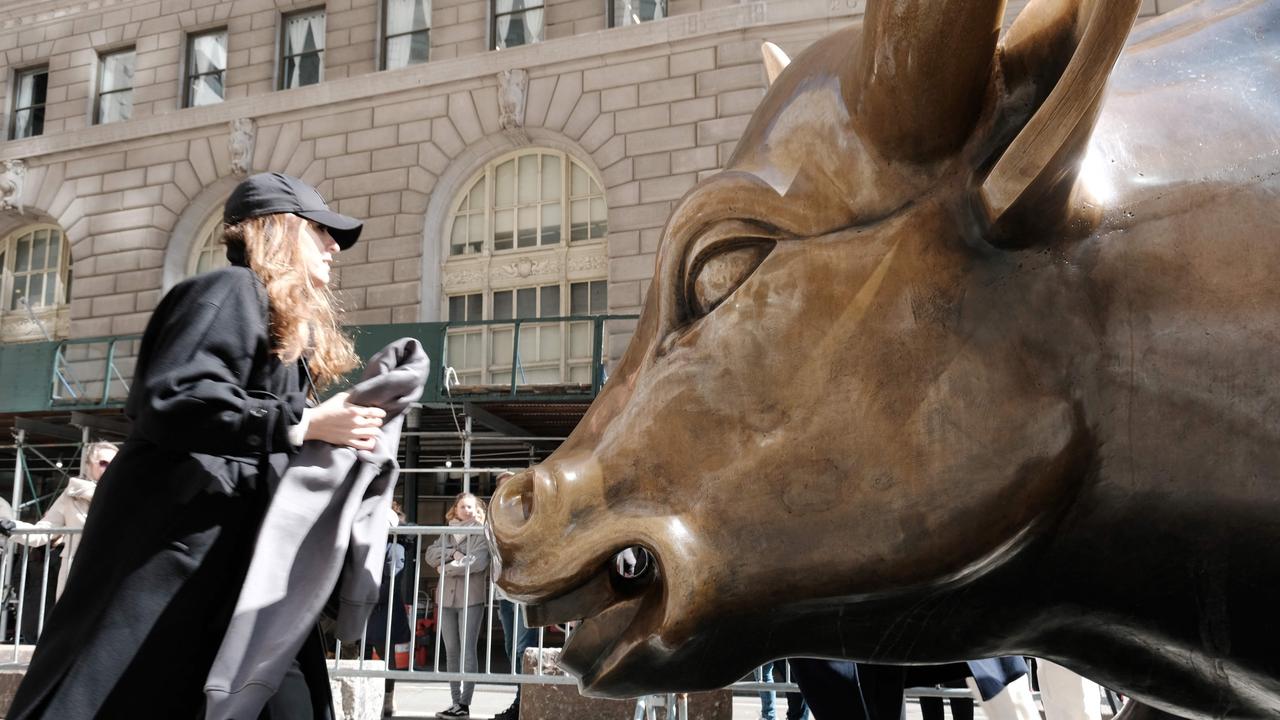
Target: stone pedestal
357,698
9,679
555,702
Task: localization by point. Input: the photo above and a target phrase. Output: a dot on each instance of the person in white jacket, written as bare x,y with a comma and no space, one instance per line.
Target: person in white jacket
69,510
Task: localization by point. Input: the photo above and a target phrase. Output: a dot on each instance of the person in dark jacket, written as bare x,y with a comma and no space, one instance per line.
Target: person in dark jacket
224,375
844,690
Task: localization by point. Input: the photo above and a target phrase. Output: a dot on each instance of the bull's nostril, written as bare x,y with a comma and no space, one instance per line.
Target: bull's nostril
513,503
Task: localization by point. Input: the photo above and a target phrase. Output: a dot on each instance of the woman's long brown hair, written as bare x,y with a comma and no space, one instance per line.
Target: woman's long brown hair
303,319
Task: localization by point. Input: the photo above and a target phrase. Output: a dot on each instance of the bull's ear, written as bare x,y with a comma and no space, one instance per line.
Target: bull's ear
775,60
1056,60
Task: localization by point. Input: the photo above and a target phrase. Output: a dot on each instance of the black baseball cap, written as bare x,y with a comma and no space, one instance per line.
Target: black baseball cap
269,193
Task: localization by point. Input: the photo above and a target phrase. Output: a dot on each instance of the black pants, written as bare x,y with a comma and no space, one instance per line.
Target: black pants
842,690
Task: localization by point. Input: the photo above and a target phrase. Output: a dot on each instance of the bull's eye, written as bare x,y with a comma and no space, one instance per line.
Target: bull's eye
721,259
715,278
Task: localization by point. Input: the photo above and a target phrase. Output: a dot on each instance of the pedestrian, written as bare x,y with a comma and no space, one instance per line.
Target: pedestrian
226,378
462,560
69,511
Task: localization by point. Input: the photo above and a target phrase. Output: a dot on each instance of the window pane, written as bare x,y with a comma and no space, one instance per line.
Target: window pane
28,123
520,28
578,302
599,221
502,230
22,258
476,198
39,246
50,286
475,306
631,12
32,88
55,249
457,308
115,107
599,297
302,70
35,289
405,16
475,231
549,348
551,186
529,178
528,227
580,218
304,33
551,216
19,290
579,340
208,53
500,348
117,72
550,306
580,183
458,236
502,305
526,302
205,90
406,50
505,187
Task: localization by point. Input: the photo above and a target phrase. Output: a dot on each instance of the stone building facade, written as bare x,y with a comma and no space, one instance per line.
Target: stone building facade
560,160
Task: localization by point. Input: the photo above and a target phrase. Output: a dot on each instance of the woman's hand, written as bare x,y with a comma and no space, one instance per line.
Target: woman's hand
338,422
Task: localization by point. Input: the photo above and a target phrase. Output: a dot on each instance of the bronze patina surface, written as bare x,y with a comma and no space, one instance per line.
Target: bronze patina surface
972,349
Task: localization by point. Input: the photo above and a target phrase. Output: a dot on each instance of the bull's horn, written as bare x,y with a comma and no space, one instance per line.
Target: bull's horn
917,83
775,60
1049,147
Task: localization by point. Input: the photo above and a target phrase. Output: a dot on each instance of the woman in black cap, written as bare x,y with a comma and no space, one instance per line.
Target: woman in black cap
230,363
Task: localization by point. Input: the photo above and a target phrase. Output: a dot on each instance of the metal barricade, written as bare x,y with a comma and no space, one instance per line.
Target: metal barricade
421,606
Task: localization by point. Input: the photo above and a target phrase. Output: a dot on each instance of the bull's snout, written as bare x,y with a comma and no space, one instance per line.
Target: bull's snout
512,504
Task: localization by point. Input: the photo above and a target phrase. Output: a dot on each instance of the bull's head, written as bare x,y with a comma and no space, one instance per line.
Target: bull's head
841,399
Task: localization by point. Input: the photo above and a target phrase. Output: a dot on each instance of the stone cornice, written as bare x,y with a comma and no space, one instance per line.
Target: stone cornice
472,69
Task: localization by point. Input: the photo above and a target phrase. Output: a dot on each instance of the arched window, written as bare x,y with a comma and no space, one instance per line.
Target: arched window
526,242
209,253
34,282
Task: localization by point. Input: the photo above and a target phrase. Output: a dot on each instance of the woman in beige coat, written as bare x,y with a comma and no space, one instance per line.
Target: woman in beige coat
463,563
69,510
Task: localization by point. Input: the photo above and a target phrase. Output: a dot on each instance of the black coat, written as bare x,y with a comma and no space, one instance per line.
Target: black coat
172,526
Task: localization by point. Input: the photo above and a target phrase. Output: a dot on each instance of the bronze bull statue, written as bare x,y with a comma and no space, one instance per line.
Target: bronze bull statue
972,349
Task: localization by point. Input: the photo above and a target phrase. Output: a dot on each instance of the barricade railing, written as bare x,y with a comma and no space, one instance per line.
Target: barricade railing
418,657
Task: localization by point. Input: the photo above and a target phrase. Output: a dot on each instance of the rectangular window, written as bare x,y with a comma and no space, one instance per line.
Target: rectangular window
634,12
206,68
527,303
463,308
115,87
302,49
408,33
28,103
589,298
516,22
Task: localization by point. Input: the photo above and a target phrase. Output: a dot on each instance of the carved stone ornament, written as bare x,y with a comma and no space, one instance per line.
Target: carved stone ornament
456,278
527,267
513,90
584,263
244,134
12,178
